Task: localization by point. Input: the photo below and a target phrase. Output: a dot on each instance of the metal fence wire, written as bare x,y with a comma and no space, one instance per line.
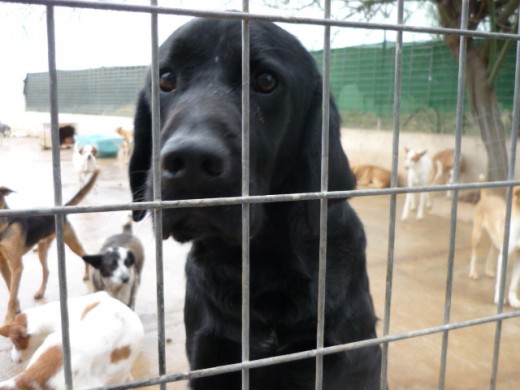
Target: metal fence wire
157,205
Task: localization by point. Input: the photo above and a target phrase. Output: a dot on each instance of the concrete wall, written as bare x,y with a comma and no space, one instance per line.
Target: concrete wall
32,124
375,147
362,146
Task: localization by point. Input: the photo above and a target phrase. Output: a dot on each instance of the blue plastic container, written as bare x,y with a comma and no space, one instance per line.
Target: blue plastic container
107,145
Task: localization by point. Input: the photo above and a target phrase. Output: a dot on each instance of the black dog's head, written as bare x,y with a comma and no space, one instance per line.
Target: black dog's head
200,111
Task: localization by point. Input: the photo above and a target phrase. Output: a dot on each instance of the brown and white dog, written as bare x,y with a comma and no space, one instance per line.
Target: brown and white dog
118,266
30,327
371,176
443,165
105,340
489,216
419,173
19,234
84,160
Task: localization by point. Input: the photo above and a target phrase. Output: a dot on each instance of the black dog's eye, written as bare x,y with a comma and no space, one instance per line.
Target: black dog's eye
168,81
264,82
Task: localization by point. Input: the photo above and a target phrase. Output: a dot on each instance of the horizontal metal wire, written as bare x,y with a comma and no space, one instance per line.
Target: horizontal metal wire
315,352
263,17
235,200
245,200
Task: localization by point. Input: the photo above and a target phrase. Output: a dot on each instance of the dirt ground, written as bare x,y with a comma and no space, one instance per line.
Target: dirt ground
418,285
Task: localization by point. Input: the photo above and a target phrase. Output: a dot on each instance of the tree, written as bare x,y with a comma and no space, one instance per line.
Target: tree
482,66
483,57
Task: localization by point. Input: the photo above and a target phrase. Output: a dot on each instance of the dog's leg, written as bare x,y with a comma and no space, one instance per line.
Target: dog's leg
71,239
513,285
43,249
476,235
13,306
5,271
406,208
490,261
81,178
429,202
497,280
413,201
450,181
422,203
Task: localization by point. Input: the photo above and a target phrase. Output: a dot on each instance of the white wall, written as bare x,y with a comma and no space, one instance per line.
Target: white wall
375,147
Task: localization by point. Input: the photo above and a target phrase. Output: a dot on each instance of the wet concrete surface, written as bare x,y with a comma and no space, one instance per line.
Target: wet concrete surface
418,285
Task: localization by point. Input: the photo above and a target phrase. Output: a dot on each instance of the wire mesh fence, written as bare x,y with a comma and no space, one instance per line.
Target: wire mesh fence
410,91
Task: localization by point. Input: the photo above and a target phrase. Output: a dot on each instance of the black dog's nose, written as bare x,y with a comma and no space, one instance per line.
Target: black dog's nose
193,162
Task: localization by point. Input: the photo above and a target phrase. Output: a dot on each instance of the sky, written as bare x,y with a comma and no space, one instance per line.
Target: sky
91,38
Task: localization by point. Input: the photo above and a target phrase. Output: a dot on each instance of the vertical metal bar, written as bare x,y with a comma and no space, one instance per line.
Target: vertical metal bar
459,122
393,197
245,192
322,266
501,273
157,213
58,201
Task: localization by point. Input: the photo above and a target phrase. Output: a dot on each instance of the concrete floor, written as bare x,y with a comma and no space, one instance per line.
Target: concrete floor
418,293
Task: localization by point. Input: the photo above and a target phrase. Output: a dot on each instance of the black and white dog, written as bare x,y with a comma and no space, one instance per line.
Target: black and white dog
118,266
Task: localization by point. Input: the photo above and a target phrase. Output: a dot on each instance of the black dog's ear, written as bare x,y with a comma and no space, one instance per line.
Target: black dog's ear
94,260
141,156
340,177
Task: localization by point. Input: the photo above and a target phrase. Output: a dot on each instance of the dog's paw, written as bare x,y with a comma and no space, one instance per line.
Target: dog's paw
496,300
39,295
490,274
473,275
514,301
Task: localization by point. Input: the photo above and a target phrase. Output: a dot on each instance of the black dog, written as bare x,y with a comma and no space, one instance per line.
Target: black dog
200,108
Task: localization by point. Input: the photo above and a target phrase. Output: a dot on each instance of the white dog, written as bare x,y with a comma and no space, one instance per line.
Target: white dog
84,159
419,167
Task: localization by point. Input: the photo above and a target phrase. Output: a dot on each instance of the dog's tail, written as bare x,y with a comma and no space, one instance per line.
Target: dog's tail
127,227
84,190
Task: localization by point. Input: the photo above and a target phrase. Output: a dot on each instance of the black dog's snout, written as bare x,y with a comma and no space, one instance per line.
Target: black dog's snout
194,162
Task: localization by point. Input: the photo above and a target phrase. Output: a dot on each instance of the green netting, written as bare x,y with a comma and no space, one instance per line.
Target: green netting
362,81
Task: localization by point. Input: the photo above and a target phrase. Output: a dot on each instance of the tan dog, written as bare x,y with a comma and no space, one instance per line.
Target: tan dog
371,176
128,136
19,234
489,216
443,164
